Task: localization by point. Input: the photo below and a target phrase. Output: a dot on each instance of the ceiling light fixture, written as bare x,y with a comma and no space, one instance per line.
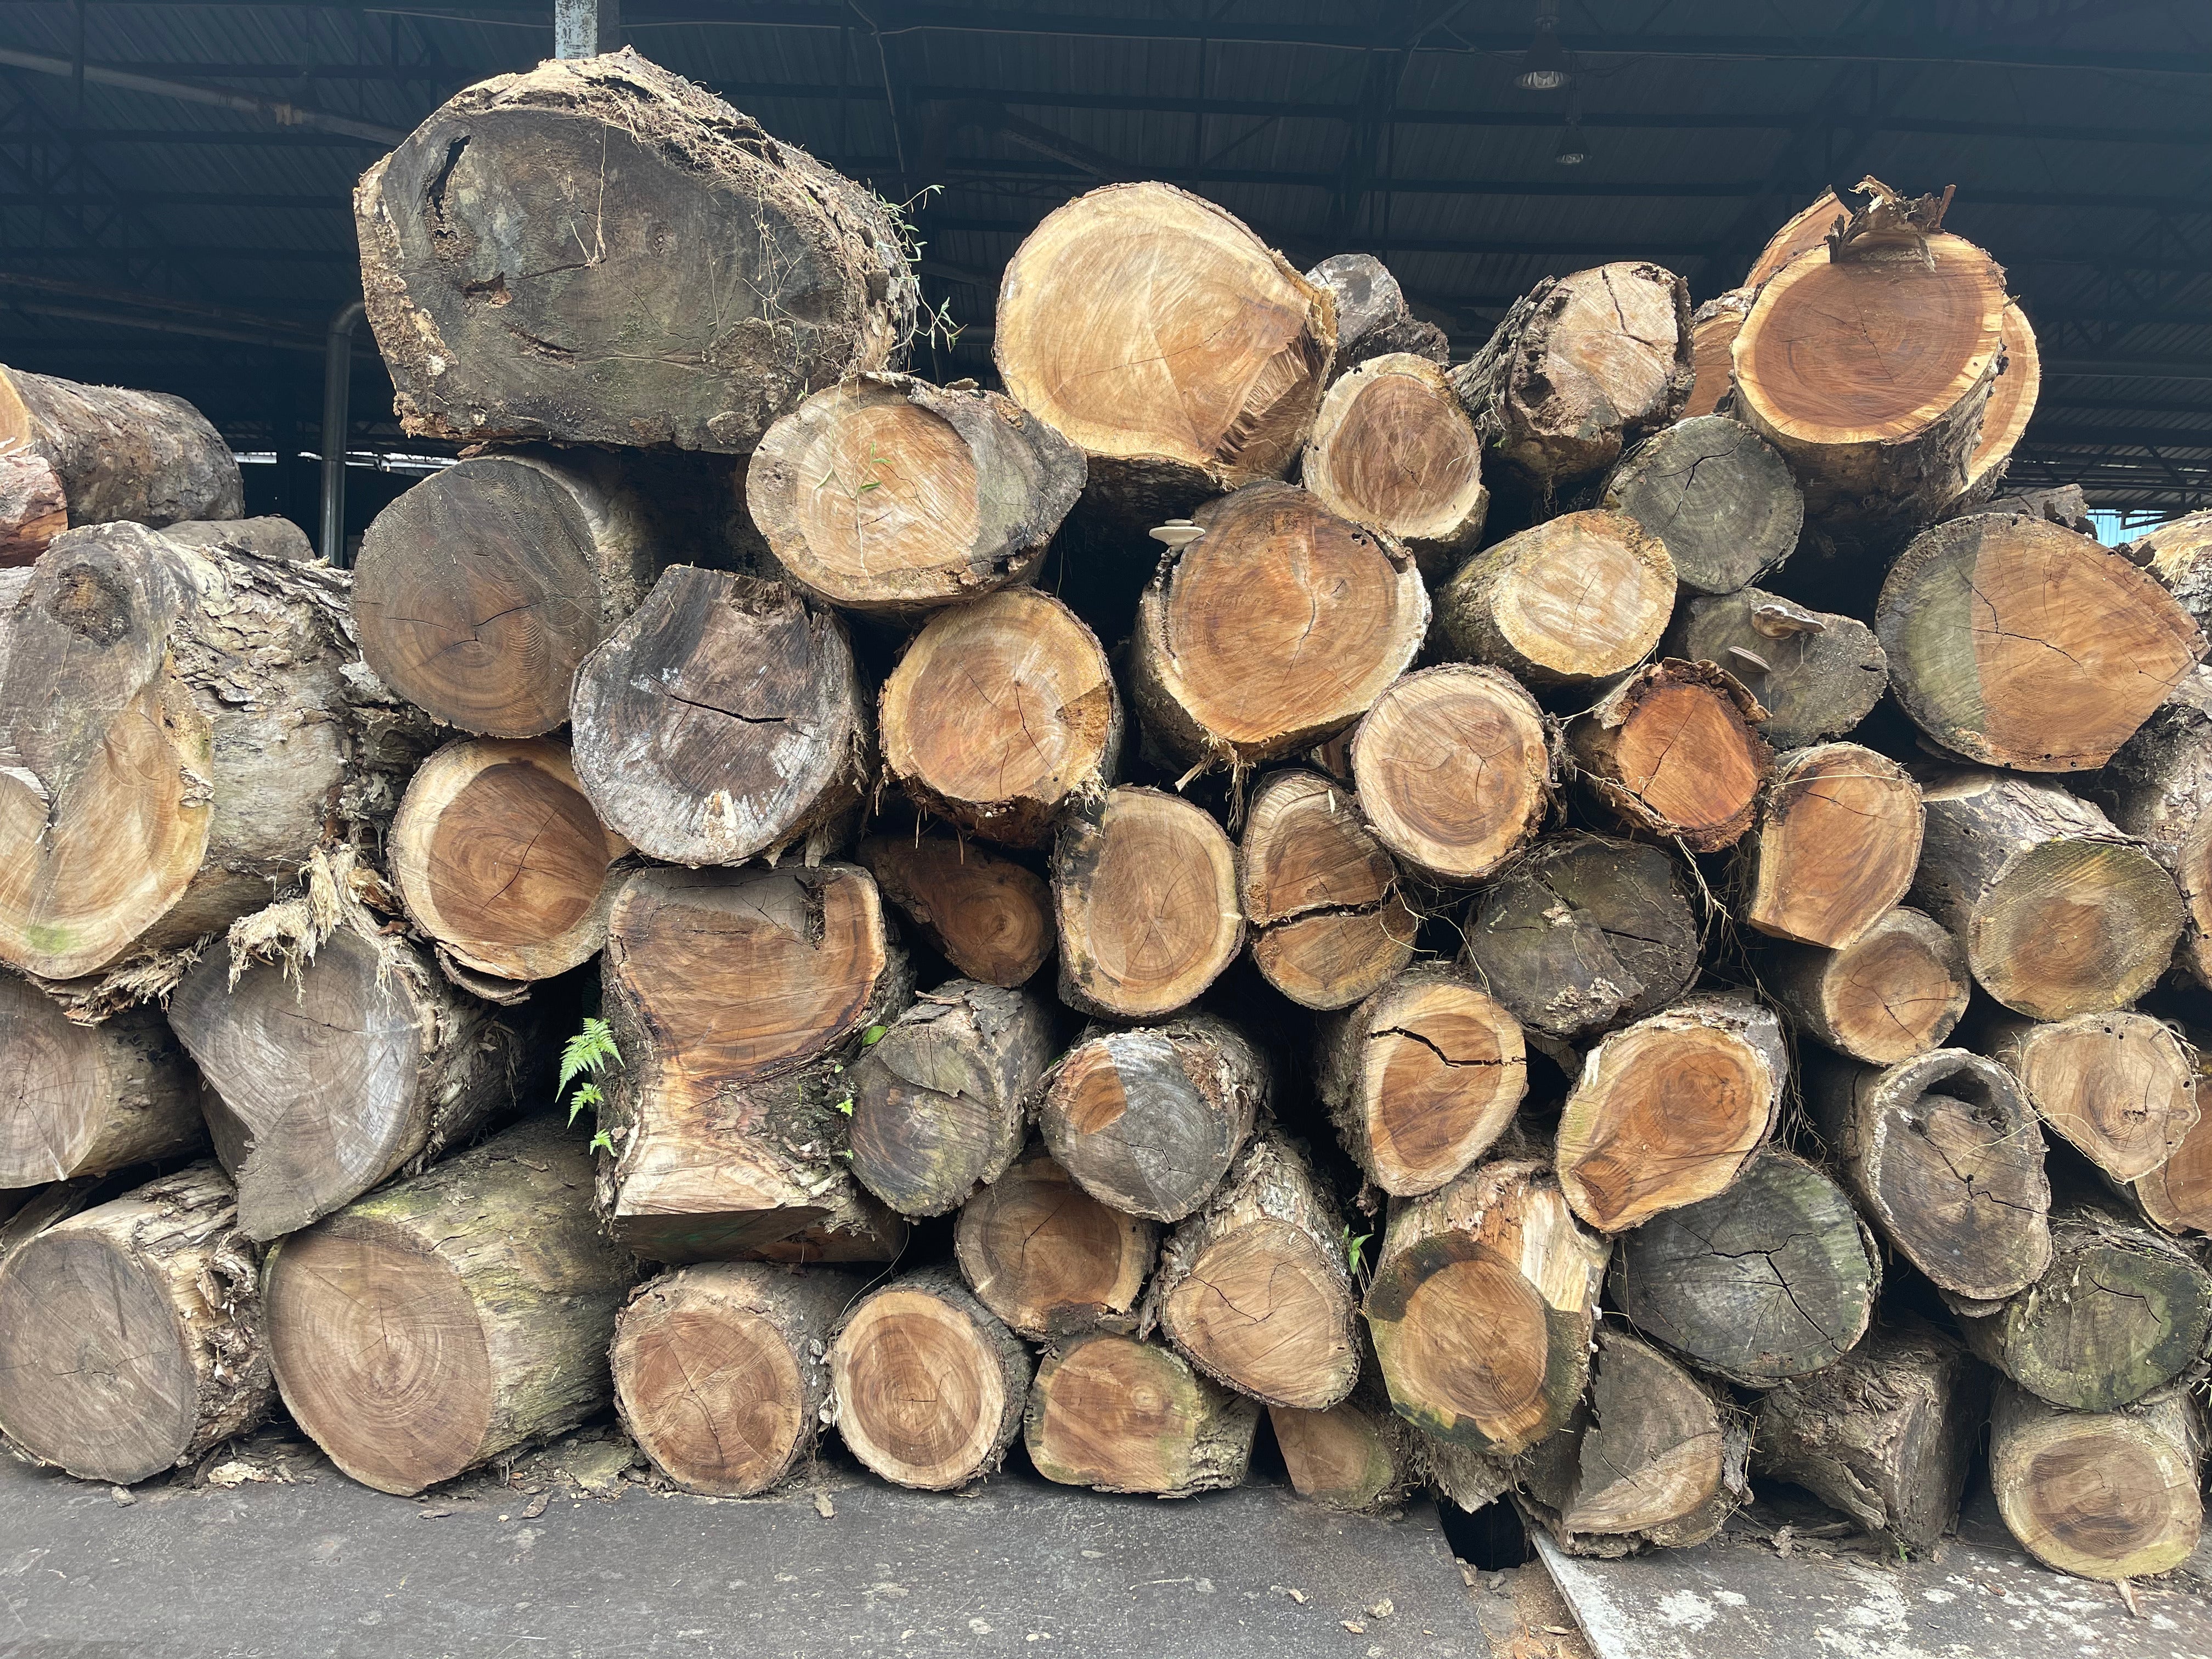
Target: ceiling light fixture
1544,65
1572,151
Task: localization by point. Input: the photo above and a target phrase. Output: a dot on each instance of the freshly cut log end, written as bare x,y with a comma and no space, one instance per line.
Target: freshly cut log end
2158,789
991,917
443,1321
2179,554
1117,1414
33,506
1775,1278
2177,1194
1716,497
930,1386
1816,673
1579,598
937,1100
884,494
1255,1288
81,1100
1806,230
1584,932
145,457
2012,405
723,720
1886,1434
1944,1157
1358,1456
731,994
1668,1111
2060,914
1674,750
1713,329
2015,643
1392,448
131,1333
1453,766
1372,318
720,1372
1837,845
1277,626
1002,714
499,857
1148,1121
1320,893
1422,1078
1143,889
2109,1495
1046,1256
502,316
1483,1299
1165,341
1895,991
2120,1088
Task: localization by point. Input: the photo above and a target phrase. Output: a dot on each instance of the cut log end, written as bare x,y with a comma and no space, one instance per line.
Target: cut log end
1145,897
2103,1495
1715,496
1351,1456
990,916
1393,449
77,1100
1817,673
1120,1415
1579,598
2120,1087
1837,846
1896,991
1675,751
1043,1255
1454,771
930,1386
1329,924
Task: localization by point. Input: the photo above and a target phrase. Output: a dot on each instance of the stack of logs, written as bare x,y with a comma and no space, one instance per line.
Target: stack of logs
1633,927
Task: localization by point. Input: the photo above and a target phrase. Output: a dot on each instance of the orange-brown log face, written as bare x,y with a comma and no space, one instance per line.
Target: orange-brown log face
1710,343
885,491
1260,1310
920,1397
2076,927
1404,458
1113,1417
1838,846
1453,768
1449,1072
518,858
1670,1119
714,1395
1683,752
1035,1244
1469,1347
1893,997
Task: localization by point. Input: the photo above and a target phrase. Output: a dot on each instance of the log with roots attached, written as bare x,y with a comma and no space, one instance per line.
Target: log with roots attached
1836,846
2109,1495
1886,1434
1117,1414
1483,1299
516,254
1321,894
720,1372
1713,328
1895,991
2059,912
1422,1078
131,1333
1255,1288
1454,770
725,718
930,1386
1775,1278
1001,715
1656,1455
2015,643
1582,367
1579,598
1045,1256
735,997
886,494
2120,1088
1392,448
1943,1155
81,1100
1667,1111
1148,1121
2120,1311
444,1319
2179,554
1143,892
2157,788
1675,751
1372,318
1716,495
2177,1194
991,917
938,1097
2011,406
1584,932
1277,626
1179,352
1816,673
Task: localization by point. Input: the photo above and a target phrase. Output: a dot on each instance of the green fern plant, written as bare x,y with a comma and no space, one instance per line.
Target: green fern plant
586,1055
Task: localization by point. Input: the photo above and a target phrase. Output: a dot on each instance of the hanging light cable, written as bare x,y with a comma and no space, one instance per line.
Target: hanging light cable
1544,66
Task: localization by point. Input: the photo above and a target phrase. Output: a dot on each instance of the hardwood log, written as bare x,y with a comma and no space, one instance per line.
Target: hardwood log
34,505
1775,1278
1002,714
2120,1088
1579,598
1117,1414
1357,1455
2179,554
1715,496
1149,1121
1393,449
1321,895
2157,788
2012,405
1713,328
1254,590
1816,673
991,917
1453,768
1372,318
1896,991
81,1100
1144,892
447,1319
1836,846
1674,750
2177,1194
1462,1476
1045,1256
2109,1495
1806,230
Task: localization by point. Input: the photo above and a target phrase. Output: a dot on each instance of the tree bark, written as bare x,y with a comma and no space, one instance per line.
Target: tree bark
1273,562
2179,554
1454,770
2158,789
1836,846
938,1097
930,1386
131,1333
1046,1256
1895,992
2109,1495
1117,1414
1320,893
1002,715
1674,750
1144,892
1817,674
437,1323
1393,449
516,254
78,1100
721,1371
110,455
1149,1121
1580,598
34,506
1716,495
2060,914
1422,1078
1372,318
2119,1088
2012,404
734,997
725,720
1713,328
989,916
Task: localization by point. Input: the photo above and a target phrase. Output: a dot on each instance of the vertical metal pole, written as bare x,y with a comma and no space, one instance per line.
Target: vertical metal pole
337,390
585,28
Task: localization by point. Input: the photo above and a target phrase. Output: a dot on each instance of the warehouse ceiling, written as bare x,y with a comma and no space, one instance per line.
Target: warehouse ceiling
198,238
